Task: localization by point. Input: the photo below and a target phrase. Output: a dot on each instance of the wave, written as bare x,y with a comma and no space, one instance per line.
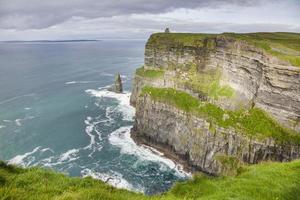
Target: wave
20,159
18,122
111,75
16,97
106,74
113,178
79,82
123,99
44,157
1,126
70,155
121,138
70,82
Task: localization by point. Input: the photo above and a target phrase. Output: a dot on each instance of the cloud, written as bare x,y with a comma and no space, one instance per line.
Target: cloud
90,19
38,14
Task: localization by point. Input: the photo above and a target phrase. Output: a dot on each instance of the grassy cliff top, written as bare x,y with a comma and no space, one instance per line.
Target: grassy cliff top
285,46
266,181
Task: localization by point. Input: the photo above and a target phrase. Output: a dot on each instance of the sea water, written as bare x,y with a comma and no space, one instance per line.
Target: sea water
56,112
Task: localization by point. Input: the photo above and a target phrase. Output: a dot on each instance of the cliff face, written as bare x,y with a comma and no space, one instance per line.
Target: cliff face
229,73
193,138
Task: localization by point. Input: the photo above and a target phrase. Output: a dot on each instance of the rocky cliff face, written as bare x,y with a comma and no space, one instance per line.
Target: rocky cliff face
229,73
193,138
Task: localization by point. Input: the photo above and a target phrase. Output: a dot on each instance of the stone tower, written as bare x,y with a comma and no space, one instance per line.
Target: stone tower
167,30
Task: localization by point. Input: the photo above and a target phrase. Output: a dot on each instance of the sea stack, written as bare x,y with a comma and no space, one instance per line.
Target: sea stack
118,88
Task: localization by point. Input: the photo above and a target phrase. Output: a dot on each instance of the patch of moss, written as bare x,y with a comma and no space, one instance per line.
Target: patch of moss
231,166
153,73
180,99
254,122
207,83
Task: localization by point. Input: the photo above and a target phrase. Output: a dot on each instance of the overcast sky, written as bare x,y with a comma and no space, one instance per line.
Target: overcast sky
137,19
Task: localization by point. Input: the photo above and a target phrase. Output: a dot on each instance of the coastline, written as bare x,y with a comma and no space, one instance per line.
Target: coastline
167,152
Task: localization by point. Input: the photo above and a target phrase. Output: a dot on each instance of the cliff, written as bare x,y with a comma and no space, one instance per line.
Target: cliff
219,99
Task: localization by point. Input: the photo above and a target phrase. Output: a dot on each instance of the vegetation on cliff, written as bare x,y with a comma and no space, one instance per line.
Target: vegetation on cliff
162,40
207,83
254,122
149,73
266,181
285,46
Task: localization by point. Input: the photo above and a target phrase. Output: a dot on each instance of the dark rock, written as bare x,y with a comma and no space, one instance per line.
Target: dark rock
118,87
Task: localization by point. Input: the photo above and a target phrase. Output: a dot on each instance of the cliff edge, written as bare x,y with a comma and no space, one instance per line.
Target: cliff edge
217,100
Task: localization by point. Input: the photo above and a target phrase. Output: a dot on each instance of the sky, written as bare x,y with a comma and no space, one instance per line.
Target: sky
137,19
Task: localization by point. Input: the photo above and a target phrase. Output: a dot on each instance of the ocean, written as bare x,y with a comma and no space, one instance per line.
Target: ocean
56,112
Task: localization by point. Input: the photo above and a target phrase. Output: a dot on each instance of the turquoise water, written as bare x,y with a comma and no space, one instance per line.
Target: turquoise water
56,112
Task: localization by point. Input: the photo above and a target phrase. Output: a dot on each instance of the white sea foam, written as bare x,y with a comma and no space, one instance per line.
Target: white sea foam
113,178
18,122
70,82
90,129
79,82
69,156
47,149
121,138
27,108
7,121
105,87
20,159
123,99
1,126
106,74
46,162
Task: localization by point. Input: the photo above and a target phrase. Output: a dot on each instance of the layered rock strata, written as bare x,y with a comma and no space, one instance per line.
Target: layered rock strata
244,77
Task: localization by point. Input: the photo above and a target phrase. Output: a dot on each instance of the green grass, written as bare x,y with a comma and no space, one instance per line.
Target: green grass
162,40
285,46
231,166
207,83
266,181
254,122
40,184
149,73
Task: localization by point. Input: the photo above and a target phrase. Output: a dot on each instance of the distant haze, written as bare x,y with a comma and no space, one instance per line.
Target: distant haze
137,19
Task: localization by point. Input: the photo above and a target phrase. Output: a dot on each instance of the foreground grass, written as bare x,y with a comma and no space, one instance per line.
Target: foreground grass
253,122
267,181
285,46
